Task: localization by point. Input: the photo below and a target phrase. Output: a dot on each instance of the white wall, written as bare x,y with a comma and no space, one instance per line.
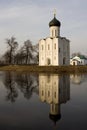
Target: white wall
42,52
55,50
64,51
54,31
48,52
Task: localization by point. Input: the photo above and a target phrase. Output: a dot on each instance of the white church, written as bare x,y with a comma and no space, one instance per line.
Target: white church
54,50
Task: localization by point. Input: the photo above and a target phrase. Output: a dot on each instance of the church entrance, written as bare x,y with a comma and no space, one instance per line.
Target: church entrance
48,61
73,63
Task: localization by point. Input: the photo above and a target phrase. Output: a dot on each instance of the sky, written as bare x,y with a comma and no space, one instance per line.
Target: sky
29,19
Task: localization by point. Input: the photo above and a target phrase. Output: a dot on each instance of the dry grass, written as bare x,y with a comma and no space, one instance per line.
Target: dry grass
51,69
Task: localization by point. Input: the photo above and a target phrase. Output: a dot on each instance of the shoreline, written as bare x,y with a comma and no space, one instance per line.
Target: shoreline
44,69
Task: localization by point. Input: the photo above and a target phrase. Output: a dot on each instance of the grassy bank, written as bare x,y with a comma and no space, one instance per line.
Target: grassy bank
52,69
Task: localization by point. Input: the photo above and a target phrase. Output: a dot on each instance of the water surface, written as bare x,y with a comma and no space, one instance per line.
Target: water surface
43,101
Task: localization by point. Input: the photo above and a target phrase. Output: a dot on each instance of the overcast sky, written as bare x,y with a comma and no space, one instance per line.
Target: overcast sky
29,19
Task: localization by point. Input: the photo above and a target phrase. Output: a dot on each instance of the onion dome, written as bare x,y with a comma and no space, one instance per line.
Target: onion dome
54,22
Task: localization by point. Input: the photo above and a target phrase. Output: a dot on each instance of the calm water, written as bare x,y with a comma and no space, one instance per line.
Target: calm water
43,101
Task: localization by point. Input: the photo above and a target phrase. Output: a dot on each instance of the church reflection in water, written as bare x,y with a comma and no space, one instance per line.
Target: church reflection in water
54,90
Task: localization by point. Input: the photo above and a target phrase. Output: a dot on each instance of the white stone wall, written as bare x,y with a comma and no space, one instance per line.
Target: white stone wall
48,52
64,53
54,51
42,52
54,31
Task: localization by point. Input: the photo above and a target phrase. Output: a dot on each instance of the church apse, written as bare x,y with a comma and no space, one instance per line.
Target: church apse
54,90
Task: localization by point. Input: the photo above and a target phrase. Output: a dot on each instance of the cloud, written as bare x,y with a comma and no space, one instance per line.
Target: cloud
28,19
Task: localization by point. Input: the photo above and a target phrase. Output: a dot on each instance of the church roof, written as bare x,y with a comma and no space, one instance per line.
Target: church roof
82,57
54,22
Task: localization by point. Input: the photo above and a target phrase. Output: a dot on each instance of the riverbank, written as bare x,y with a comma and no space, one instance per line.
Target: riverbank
45,69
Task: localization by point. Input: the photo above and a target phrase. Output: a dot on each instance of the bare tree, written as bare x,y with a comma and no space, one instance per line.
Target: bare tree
76,54
6,57
20,57
36,56
28,51
12,44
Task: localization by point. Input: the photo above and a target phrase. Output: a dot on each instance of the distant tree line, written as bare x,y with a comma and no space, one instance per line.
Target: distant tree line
79,54
76,54
27,54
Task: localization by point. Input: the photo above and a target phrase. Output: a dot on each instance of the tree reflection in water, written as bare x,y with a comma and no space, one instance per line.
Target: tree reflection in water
10,85
25,82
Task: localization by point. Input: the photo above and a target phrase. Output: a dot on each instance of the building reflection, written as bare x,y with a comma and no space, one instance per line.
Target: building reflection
54,90
77,78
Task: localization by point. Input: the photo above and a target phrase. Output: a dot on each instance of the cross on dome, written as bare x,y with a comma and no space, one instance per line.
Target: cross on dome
54,12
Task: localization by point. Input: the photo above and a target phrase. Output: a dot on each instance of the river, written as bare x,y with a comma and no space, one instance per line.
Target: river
30,101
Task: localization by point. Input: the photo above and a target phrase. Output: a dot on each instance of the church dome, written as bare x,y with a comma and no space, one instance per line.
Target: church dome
54,22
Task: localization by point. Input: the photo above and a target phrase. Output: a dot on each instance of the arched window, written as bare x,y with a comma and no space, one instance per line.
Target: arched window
42,92
48,61
59,50
42,47
55,58
55,46
55,32
55,94
48,93
52,33
48,47
52,107
48,79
